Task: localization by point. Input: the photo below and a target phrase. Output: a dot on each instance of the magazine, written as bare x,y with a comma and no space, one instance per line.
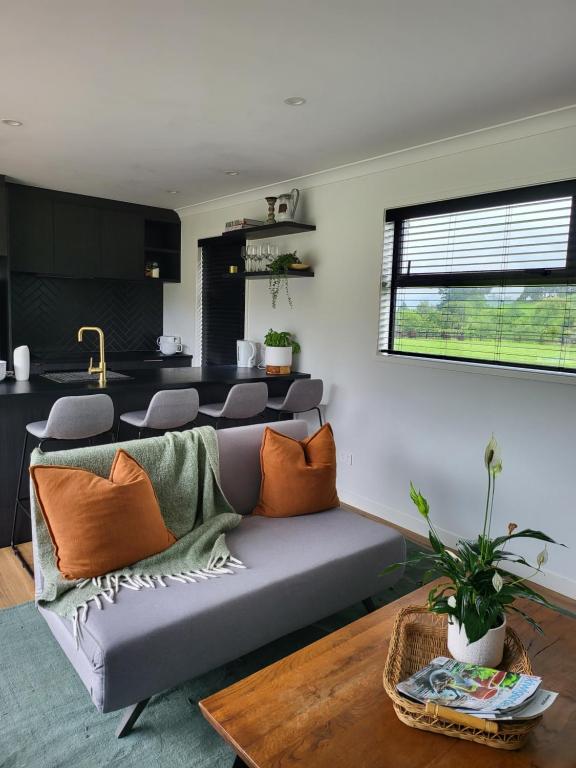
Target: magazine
469,688
532,707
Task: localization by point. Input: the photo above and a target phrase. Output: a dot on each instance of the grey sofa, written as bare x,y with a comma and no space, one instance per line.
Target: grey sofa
299,570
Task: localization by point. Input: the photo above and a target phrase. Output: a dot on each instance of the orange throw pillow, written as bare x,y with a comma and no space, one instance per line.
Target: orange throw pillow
298,477
100,525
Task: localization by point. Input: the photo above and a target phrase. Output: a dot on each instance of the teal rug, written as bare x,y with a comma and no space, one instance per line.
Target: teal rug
47,719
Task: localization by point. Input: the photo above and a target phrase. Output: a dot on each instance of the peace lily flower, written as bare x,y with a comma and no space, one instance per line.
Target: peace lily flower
492,457
452,601
542,557
497,581
511,528
420,502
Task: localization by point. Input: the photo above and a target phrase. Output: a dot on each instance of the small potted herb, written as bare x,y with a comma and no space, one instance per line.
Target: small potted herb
478,591
280,346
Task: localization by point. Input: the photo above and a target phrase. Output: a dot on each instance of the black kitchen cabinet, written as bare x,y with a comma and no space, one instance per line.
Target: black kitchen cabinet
5,316
60,234
76,240
31,230
122,244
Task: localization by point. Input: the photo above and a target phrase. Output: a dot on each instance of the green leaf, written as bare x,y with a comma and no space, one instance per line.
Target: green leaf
527,533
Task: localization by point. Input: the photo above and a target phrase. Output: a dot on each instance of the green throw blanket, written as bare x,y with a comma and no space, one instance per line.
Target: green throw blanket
183,468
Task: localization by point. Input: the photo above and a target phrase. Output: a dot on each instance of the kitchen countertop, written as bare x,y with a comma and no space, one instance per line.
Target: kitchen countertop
163,378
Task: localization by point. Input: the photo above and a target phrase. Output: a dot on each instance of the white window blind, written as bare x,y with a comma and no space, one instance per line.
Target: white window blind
487,279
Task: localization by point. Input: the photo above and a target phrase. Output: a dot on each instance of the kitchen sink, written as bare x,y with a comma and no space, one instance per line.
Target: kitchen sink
71,377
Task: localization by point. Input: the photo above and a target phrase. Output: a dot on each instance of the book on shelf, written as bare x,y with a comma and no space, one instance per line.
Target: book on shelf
480,691
242,224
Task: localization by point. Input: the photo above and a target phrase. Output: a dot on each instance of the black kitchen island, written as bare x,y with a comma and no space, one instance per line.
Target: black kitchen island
22,402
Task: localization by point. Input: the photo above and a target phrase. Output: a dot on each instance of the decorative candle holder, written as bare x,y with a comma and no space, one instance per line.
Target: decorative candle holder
271,203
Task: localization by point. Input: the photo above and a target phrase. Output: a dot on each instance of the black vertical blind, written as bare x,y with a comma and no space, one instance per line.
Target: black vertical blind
222,304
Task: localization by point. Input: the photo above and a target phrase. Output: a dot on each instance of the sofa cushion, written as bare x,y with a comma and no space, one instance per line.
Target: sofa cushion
239,450
98,525
298,476
300,569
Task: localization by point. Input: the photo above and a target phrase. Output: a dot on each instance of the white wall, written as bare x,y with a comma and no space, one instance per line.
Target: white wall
406,420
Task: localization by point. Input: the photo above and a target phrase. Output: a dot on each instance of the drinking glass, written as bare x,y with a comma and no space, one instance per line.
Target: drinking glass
250,257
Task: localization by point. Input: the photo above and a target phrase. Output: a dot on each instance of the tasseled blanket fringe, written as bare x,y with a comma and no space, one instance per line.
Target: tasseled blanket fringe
111,583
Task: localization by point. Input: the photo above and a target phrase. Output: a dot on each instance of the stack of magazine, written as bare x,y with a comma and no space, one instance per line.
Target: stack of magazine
479,691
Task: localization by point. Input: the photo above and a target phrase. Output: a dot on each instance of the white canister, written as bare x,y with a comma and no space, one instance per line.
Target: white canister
486,652
22,363
2,369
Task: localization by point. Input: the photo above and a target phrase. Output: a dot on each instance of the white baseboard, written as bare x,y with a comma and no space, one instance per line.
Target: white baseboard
554,581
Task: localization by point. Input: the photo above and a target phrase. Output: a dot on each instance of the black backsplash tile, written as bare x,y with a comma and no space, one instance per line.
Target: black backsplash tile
47,312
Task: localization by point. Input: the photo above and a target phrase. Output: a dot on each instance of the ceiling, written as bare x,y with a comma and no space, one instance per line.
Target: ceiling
128,99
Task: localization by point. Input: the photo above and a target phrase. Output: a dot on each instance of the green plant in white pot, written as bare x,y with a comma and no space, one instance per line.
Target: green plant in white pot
479,591
279,348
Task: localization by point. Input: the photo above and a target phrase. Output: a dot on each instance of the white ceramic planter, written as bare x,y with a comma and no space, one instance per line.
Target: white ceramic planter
278,359
486,652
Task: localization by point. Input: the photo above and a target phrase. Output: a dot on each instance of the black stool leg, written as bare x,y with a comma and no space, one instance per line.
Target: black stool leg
17,505
319,412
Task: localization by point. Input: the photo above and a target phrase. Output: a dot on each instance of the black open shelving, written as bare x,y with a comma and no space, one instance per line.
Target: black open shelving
267,275
277,229
223,292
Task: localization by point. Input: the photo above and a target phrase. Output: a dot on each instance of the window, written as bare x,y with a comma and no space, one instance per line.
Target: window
489,278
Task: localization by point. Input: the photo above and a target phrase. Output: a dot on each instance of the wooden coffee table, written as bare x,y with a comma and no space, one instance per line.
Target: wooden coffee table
324,706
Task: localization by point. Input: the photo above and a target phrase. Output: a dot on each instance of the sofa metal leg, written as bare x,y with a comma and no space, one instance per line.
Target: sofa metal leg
131,714
369,604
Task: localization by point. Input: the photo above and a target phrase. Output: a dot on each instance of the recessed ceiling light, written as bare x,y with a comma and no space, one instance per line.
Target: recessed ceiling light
232,173
12,123
173,191
295,101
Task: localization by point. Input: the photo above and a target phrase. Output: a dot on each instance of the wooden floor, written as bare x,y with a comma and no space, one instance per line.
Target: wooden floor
16,584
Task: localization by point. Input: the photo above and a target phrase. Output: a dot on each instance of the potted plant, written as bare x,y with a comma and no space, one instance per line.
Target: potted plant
279,275
479,591
279,348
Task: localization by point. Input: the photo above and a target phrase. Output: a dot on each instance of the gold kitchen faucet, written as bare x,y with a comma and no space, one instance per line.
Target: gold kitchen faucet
101,368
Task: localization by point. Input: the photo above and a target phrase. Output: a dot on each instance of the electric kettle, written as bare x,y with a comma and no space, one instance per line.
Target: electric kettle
287,204
245,353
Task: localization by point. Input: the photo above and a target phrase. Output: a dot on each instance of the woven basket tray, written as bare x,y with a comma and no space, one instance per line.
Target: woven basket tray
417,638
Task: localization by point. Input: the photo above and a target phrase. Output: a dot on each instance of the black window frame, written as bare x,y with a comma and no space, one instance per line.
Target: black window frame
493,278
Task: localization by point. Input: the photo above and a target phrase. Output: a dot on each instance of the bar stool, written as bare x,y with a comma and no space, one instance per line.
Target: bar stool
70,418
303,395
244,401
168,409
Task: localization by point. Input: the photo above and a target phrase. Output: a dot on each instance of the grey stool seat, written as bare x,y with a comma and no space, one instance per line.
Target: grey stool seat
71,418
303,395
168,409
244,401
75,418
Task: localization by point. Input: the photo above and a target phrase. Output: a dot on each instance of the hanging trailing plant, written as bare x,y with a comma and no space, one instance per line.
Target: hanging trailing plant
279,269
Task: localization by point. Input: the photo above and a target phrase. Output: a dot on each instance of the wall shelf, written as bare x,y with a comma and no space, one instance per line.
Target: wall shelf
267,275
277,229
224,294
